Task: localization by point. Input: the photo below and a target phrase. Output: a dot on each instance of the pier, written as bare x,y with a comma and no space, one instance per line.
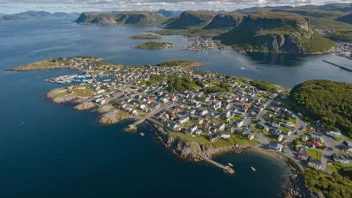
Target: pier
228,169
341,67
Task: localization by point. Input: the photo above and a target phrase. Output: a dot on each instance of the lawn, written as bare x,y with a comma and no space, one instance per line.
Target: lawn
315,154
83,92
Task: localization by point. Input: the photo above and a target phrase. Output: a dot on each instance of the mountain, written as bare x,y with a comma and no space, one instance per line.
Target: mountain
255,9
121,18
35,15
276,32
345,19
189,19
313,12
225,20
169,13
64,14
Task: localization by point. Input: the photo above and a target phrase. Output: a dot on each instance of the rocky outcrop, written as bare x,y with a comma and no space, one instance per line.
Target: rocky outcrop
192,18
276,32
225,20
191,150
85,106
105,109
121,18
114,117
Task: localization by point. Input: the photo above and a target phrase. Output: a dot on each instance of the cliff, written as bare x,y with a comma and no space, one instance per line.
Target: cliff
224,21
189,19
345,19
191,150
121,18
276,32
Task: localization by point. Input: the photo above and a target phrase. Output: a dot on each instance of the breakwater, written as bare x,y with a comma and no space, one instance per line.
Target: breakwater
341,67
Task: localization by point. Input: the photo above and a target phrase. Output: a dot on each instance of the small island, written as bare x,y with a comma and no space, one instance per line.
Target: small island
155,45
199,115
146,36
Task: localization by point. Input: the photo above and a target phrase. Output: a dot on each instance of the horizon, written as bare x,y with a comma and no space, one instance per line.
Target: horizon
69,6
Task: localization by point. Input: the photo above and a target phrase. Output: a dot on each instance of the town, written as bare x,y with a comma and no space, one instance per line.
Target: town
208,108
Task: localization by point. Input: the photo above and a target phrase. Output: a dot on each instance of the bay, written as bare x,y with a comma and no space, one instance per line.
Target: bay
49,150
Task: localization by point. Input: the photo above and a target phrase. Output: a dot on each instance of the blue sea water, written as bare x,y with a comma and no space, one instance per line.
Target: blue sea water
49,150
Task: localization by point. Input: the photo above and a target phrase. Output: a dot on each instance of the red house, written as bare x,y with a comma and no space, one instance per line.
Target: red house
303,154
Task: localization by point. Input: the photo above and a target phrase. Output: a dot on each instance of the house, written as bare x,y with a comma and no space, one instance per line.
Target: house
191,129
347,143
142,107
198,132
280,138
315,163
303,154
220,127
174,127
240,124
200,120
204,112
213,137
250,136
225,135
340,158
305,138
184,120
206,127
275,146
334,134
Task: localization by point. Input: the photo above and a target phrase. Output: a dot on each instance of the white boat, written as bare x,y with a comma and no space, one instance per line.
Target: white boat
253,169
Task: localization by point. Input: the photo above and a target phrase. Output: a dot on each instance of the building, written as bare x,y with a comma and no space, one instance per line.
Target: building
220,127
304,138
280,138
340,158
275,146
225,135
250,136
334,134
174,127
191,129
213,137
315,163
303,154
184,120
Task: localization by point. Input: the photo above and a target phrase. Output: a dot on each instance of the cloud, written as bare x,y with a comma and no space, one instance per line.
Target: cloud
100,5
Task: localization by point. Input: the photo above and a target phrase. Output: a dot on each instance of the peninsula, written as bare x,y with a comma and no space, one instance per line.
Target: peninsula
146,36
199,115
155,45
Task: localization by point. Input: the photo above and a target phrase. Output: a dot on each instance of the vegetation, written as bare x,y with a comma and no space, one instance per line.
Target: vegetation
316,43
222,87
155,45
263,85
192,19
146,36
315,154
180,63
191,32
337,185
327,101
181,84
341,36
36,66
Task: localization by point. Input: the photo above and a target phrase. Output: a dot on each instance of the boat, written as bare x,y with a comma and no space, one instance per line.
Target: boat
230,164
253,169
142,134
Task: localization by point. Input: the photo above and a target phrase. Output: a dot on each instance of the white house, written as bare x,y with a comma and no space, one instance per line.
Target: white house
334,134
225,135
184,120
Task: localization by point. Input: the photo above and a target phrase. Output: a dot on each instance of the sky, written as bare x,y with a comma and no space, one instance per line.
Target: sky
15,6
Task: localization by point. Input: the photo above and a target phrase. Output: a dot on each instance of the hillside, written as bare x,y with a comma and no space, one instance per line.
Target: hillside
121,18
276,32
35,15
345,19
169,13
225,20
192,19
327,101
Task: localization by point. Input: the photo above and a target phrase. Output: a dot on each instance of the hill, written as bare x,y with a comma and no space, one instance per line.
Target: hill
35,15
327,101
192,19
276,32
345,19
121,18
169,13
225,20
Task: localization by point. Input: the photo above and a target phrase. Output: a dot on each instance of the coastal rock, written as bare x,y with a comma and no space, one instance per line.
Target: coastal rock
64,99
114,117
105,109
55,92
84,106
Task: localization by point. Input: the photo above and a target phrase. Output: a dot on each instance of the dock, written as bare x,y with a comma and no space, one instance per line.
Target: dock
228,169
341,67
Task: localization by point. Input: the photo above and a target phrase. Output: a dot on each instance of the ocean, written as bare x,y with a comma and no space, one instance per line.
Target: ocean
50,150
